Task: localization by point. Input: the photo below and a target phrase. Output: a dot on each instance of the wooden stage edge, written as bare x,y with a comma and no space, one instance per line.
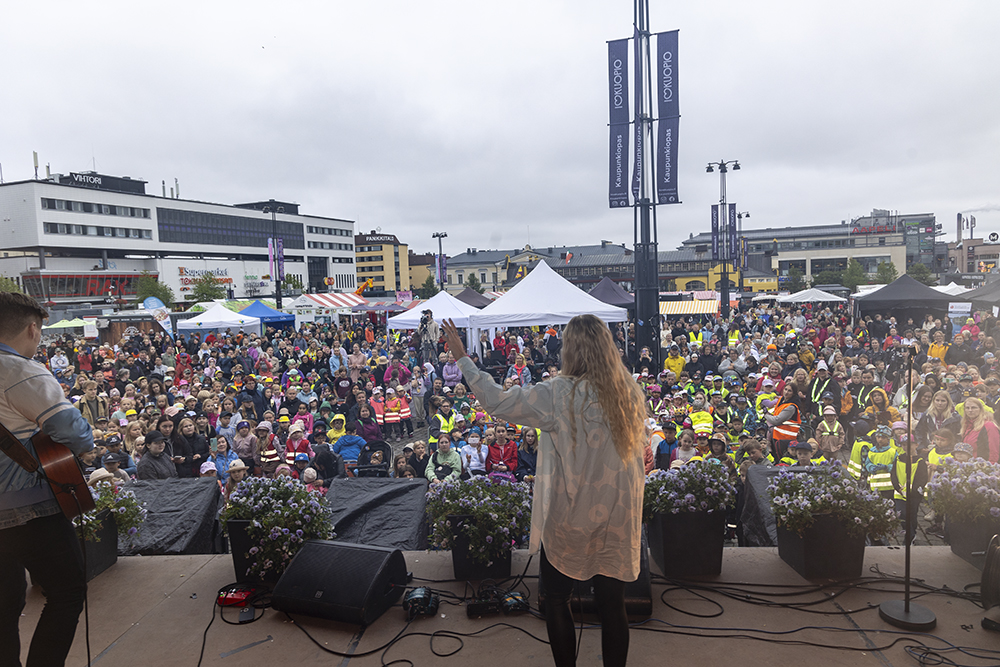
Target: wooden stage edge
153,611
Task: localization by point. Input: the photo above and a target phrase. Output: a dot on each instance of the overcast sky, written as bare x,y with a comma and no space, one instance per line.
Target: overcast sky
489,120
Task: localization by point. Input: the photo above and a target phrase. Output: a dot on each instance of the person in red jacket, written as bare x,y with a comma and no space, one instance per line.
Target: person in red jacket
503,452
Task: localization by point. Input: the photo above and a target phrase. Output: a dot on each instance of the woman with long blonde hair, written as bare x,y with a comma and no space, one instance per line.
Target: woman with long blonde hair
587,508
979,430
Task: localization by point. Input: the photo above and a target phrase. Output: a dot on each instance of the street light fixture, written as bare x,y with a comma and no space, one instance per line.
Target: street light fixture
274,210
439,236
724,166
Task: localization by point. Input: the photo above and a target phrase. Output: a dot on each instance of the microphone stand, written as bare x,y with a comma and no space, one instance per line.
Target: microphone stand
902,613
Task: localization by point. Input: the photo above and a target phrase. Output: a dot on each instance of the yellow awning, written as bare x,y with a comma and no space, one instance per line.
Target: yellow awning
695,307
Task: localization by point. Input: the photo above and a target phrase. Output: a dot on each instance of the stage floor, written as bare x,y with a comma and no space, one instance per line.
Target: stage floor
153,611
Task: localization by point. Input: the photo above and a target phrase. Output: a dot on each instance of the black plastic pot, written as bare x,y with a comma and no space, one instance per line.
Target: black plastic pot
102,555
687,543
466,569
825,550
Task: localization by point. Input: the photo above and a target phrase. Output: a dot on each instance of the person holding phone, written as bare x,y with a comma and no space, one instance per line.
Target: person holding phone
586,518
222,456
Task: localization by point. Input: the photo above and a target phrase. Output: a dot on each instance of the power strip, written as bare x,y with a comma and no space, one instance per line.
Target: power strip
477,608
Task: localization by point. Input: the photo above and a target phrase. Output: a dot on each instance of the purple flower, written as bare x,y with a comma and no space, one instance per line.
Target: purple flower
995,511
489,538
133,530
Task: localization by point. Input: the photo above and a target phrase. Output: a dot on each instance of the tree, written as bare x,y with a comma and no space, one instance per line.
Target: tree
828,278
854,275
208,288
920,272
474,283
886,273
428,289
292,282
149,286
795,282
9,285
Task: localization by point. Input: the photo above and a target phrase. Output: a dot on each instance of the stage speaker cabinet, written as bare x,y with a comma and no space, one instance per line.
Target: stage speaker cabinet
638,593
351,583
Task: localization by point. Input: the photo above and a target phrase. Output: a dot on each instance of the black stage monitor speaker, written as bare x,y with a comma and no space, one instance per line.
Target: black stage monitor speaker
351,583
638,593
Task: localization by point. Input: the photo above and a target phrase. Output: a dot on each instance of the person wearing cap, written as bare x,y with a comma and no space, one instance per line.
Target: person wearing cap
155,463
878,461
299,465
879,411
111,463
270,451
674,362
237,472
831,437
821,384
245,443
102,475
207,469
297,443
800,454
114,445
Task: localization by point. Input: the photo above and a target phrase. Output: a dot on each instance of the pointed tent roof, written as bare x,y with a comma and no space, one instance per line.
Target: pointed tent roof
952,288
266,313
544,297
220,317
442,305
987,295
473,298
905,292
810,295
611,292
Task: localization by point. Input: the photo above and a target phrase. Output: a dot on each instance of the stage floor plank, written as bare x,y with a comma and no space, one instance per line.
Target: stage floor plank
153,610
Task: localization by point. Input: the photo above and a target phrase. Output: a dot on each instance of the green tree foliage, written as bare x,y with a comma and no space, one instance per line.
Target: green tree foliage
920,272
149,286
208,288
292,282
428,289
854,275
886,273
474,283
828,278
795,282
9,285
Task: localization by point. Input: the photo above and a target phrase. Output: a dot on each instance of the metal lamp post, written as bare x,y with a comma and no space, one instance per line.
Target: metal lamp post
739,220
274,210
724,166
439,236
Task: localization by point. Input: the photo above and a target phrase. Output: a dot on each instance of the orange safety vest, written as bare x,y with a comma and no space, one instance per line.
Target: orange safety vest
789,430
269,453
378,411
392,411
404,410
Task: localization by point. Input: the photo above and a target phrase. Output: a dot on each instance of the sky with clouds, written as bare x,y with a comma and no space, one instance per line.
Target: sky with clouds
489,120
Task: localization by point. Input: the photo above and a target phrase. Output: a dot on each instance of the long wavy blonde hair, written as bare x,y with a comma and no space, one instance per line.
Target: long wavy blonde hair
589,353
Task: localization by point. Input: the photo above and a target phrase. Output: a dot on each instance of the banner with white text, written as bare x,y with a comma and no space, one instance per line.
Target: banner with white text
619,123
637,126
733,238
668,114
715,231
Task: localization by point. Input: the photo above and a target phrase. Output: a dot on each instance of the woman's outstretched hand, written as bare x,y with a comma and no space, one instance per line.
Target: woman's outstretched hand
454,339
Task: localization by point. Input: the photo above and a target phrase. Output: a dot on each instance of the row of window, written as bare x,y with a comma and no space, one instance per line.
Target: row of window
91,230
342,281
177,226
323,245
87,207
342,260
369,269
372,258
329,231
370,248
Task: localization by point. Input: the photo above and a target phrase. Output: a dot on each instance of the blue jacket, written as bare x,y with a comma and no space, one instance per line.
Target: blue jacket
349,446
222,464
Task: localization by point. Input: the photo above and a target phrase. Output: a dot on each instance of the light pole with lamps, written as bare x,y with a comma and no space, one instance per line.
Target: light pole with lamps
274,210
724,166
742,251
440,265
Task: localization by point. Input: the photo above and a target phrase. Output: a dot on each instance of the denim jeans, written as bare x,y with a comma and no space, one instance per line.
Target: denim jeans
49,548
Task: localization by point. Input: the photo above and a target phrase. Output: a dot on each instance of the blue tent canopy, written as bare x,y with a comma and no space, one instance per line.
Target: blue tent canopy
267,314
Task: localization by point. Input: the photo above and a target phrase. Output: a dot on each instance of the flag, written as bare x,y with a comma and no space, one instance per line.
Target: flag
569,256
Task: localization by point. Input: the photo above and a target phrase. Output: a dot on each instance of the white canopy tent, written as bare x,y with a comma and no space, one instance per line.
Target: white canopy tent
442,306
811,295
544,297
954,289
220,317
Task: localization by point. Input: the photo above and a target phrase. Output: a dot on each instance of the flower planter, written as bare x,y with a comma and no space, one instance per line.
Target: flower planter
467,569
824,550
103,554
240,545
969,539
687,543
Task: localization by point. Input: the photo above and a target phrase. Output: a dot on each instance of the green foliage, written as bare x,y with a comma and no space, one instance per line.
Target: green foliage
795,282
428,289
886,273
149,286
9,285
473,282
500,511
698,486
292,282
854,275
920,272
828,278
207,288
122,503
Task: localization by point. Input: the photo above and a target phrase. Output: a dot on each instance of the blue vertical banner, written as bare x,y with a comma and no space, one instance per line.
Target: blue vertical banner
743,253
668,114
619,123
637,125
279,254
715,231
733,253
270,257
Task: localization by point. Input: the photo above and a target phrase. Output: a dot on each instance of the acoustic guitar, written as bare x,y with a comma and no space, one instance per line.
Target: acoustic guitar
60,467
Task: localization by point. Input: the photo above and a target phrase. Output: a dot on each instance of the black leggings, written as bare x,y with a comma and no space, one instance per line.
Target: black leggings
610,600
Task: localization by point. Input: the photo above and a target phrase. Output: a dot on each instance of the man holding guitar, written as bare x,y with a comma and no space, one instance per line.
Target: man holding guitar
35,531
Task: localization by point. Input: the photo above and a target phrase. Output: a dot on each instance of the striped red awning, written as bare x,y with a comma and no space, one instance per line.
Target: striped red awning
337,300
493,295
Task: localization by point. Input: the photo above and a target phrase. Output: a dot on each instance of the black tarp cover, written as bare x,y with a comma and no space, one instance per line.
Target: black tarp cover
380,512
982,297
759,529
905,293
181,517
612,293
473,298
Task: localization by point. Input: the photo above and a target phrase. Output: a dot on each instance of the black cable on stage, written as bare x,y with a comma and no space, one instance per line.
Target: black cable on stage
204,635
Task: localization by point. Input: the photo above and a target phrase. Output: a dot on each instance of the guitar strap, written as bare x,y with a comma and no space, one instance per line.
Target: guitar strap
13,448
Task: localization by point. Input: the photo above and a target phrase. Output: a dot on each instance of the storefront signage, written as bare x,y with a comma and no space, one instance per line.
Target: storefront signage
191,276
875,229
104,182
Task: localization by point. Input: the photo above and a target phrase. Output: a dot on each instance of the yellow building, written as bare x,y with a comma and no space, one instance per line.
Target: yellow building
385,261
421,266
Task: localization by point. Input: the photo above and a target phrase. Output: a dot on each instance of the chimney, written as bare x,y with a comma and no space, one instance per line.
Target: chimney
959,236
